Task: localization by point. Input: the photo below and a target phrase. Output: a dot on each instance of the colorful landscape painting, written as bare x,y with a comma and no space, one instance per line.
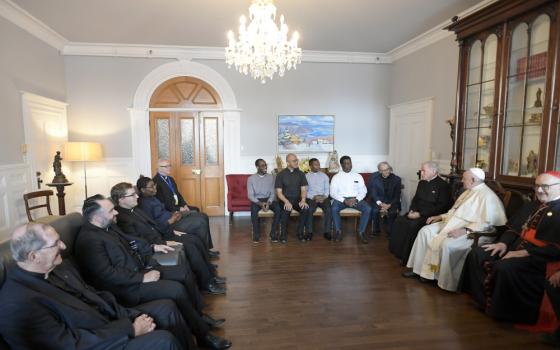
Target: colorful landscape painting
305,133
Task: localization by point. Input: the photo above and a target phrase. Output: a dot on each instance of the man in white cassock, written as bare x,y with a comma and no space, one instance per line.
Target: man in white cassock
442,246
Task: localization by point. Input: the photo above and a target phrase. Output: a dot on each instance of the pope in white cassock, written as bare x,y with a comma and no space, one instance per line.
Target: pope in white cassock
440,250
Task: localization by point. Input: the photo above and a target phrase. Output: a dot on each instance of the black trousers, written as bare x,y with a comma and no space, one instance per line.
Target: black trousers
391,216
255,220
198,258
168,289
285,217
159,339
168,317
198,224
327,215
403,235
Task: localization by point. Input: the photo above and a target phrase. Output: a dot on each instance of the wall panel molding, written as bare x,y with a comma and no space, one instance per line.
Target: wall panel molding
14,182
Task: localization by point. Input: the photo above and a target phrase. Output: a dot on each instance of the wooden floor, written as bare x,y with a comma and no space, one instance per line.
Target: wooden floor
323,295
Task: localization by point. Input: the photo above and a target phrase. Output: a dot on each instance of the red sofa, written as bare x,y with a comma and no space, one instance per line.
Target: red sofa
237,199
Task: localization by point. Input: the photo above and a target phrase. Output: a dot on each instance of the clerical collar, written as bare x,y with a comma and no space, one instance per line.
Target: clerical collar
38,275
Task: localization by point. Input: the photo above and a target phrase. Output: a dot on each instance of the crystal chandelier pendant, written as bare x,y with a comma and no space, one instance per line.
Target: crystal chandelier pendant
262,49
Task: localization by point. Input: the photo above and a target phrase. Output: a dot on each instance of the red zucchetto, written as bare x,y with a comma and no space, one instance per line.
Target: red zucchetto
556,174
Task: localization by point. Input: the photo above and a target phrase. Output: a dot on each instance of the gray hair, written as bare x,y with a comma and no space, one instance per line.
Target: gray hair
26,239
384,163
432,165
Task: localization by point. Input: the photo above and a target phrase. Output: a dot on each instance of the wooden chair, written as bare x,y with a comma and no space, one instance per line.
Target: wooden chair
47,204
513,201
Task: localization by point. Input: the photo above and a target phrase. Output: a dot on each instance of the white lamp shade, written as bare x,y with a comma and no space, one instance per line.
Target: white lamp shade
83,151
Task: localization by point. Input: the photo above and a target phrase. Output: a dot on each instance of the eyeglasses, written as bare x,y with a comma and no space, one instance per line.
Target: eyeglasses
544,187
130,195
56,244
165,166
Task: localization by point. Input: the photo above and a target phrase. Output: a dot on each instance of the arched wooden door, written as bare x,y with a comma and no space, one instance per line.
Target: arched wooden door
191,139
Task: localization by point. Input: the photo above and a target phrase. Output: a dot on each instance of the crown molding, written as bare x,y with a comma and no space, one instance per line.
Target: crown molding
26,21
433,35
208,53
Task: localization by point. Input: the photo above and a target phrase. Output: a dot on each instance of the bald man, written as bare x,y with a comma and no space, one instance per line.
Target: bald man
45,304
441,247
507,277
291,191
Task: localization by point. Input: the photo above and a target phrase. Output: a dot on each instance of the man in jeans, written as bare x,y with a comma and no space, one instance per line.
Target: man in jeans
291,190
348,191
260,190
318,197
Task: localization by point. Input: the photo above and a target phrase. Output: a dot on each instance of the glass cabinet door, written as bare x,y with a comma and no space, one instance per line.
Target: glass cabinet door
525,98
479,111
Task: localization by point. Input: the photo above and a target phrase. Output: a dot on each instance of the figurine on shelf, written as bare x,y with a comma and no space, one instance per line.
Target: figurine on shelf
334,167
279,164
538,101
59,176
488,110
535,118
513,167
532,160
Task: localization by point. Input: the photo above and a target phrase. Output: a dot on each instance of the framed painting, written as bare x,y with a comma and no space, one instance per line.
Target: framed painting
305,133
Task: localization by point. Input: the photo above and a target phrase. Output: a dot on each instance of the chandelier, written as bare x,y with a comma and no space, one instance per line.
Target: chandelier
262,48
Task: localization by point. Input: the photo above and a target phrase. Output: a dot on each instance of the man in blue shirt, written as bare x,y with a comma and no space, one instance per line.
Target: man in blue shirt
318,197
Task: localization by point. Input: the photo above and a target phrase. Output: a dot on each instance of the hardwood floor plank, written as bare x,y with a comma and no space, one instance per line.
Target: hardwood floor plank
345,296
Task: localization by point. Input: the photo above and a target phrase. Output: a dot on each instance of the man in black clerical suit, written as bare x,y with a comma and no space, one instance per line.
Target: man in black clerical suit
384,194
507,278
45,304
168,193
133,221
123,265
291,193
433,197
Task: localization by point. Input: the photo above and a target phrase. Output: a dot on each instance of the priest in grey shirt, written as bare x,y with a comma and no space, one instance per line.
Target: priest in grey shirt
318,197
260,190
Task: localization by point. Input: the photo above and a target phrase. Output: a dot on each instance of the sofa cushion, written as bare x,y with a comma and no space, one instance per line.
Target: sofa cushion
68,227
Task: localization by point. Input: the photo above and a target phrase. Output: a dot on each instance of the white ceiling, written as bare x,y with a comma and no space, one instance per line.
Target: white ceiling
326,25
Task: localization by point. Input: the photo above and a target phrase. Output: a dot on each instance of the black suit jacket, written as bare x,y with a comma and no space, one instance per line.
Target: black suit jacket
165,195
136,222
548,229
432,198
109,262
38,315
376,191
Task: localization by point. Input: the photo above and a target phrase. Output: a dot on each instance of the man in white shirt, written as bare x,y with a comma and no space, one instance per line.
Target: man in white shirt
348,191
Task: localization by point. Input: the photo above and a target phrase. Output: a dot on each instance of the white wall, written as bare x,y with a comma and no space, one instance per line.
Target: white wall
100,89
28,64
430,72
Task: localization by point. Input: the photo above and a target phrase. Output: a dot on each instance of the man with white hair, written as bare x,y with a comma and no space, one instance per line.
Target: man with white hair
440,250
433,197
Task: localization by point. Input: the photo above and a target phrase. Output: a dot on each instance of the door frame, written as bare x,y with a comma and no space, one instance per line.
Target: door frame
140,114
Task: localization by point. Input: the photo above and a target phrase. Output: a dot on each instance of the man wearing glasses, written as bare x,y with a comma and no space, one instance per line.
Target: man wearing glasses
507,278
168,193
47,305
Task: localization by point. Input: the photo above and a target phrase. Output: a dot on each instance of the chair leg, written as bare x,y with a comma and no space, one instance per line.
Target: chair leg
231,217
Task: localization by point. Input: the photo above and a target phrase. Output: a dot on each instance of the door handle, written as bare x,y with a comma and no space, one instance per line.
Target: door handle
39,180
196,171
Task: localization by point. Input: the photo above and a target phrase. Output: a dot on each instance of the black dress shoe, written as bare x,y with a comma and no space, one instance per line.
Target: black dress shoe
302,239
213,253
309,236
425,280
219,279
211,341
409,274
214,266
327,236
215,289
338,236
213,322
363,238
